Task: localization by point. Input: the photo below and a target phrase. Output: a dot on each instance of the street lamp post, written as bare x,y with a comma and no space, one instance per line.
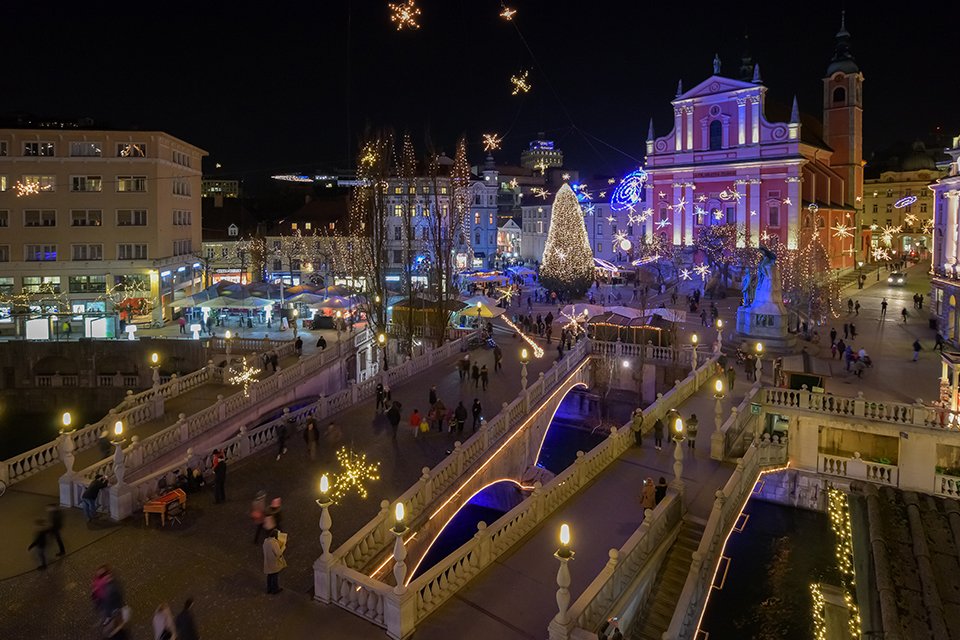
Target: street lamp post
719,333
564,554
119,467
155,365
678,438
694,339
324,503
399,550
759,370
382,341
524,359
226,338
338,321
718,407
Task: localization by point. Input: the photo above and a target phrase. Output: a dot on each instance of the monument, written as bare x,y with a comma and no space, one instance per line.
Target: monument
762,317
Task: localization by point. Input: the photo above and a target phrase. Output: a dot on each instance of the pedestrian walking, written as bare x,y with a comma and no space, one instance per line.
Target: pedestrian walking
692,425
903,312
220,478
183,324
321,343
381,398
477,411
841,348
497,358
648,495
433,396
883,308
846,331
560,351
393,417
282,433
660,490
311,436
273,561
731,377
273,516
939,344
475,374
658,434
849,306
464,365
164,626
107,596
916,350
856,308
853,331
55,525
186,624
414,421
39,544
484,377
460,417
703,317
298,346
439,412
258,511
748,367
920,302
833,335
90,495
636,424
274,361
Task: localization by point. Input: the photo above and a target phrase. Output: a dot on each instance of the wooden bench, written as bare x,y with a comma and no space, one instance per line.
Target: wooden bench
176,499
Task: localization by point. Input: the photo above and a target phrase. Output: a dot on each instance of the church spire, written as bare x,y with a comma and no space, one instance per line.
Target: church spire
795,112
842,59
650,134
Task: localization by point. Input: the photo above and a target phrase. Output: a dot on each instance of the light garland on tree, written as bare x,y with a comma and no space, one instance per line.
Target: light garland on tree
404,15
819,615
355,471
573,271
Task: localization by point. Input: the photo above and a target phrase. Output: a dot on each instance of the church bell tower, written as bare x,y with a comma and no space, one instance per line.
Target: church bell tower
843,115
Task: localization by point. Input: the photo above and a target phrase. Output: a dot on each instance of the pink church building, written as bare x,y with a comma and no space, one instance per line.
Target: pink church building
733,158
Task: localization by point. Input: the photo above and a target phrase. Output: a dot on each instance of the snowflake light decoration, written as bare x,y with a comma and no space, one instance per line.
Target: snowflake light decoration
589,209
680,205
404,15
699,212
702,270
540,192
27,189
507,13
842,231
355,471
701,198
514,183
881,254
491,141
787,201
753,212
602,195
662,223
662,195
731,194
717,214
506,293
245,375
521,83
910,218
611,181
541,166
685,274
565,177
646,213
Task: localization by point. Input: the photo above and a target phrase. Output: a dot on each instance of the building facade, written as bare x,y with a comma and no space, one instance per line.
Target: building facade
733,158
84,213
946,248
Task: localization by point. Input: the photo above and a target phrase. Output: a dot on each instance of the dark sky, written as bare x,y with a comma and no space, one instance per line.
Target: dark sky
273,86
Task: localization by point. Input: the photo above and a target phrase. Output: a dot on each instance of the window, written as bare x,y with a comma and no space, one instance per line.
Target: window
40,252
4,218
38,149
86,183
443,191
889,208
293,226
44,183
476,239
599,247
839,94
773,216
131,150
233,231
397,256
39,218
889,193
716,135
923,207
491,219
3,183
3,148
398,210
131,218
181,187
539,226
277,265
134,184
398,191
476,218
87,284
182,247
731,215
36,284
224,252
181,158
397,233
182,218
307,225
131,252
88,252
86,218
85,150
875,208
4,257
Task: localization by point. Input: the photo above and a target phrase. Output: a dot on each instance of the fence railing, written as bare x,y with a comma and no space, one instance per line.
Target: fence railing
855,468
728,441
186,428
726,509
438,584
917,414
649,351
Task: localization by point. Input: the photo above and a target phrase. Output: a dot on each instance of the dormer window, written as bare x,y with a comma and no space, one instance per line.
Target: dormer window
233,231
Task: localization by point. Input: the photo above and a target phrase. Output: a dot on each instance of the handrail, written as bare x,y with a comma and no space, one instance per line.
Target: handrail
917,414
723,440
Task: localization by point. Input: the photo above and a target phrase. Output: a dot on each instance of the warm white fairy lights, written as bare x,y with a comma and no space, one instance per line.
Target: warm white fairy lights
842,231
540,192
838,508
702,270
355,472
507,13
537,349
685,274
245,375
491,141
404,15
521,83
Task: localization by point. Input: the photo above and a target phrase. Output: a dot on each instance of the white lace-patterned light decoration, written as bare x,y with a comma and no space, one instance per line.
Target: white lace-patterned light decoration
491,141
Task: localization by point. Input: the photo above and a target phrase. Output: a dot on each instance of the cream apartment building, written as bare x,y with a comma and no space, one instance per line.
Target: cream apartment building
83,211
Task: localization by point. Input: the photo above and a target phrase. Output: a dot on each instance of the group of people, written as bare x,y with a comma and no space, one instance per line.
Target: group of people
439,415
115,614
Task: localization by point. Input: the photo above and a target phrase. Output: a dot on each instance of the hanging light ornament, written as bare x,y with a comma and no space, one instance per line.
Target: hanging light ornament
521,83
630,190
404,15
491,141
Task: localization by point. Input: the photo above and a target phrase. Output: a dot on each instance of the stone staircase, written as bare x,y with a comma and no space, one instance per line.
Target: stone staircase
658,609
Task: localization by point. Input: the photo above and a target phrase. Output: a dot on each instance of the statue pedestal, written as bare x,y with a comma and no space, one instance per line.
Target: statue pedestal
766,323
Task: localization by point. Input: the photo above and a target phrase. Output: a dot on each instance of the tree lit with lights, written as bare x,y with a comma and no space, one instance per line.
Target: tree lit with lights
567,264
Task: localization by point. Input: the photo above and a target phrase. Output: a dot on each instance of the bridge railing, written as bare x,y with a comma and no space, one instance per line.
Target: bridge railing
374,538
438,584
648,351
898,413
729,502
728,441
186,428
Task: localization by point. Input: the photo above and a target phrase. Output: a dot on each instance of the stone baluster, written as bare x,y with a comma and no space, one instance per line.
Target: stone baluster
426,486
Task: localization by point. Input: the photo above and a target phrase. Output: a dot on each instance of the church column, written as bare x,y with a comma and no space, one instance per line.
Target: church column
678,127
677,216
689,112
753,204
688,194
741,121
651,220
740,186
755,119
791,211
952,230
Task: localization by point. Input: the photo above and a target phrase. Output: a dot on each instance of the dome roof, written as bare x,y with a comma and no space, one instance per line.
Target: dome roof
918,160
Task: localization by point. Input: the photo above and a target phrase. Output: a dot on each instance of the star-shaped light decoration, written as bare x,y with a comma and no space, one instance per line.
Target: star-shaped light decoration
881,254
541,166
927,225
717,214
565,176
540,192
842,231
680,205
521,83
507,13
589,209
662,223
701,198
753,212
662,195
787,201
561,255
619,237
611,181
245,375
647,213
702,270
764,236
634,219
602,195
583,192
355,472
491,141
611,219
731,194
699,212
404,15
506,293
513,183
685,274
859,198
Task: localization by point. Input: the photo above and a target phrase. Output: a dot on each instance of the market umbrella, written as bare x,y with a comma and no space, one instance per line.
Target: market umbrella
482,311
306,298
333,302
337,290
226,302
484,300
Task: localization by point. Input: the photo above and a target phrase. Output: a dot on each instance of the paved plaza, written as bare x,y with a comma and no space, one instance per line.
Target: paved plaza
211,556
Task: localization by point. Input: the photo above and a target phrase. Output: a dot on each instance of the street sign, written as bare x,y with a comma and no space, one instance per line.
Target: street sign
755,408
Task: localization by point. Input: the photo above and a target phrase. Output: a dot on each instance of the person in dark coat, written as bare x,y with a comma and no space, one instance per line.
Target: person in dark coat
394,417
381,397
661,489
475,374
477,413
658,434
433,396
55,524
90,495
298,345
311,435
185,623
219,479
460,415
484,377
39,544
321,343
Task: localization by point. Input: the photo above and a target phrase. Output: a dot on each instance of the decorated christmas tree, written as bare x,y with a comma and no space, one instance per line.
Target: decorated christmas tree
567,265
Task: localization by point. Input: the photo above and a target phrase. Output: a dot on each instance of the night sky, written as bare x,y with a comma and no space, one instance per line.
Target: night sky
264,86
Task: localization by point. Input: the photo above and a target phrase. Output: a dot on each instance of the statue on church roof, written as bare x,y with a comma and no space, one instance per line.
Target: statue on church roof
716,64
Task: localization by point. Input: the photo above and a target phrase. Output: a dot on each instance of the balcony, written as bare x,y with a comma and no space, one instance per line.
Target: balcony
856,468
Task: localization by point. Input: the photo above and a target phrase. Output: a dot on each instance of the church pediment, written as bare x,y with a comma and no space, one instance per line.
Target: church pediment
714,85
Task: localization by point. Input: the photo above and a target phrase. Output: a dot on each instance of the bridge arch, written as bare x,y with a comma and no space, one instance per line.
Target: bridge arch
553,416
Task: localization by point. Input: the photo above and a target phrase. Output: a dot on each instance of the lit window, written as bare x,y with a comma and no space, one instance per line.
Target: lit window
41,252
85,149
131,150
38,149
86,183
131,184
